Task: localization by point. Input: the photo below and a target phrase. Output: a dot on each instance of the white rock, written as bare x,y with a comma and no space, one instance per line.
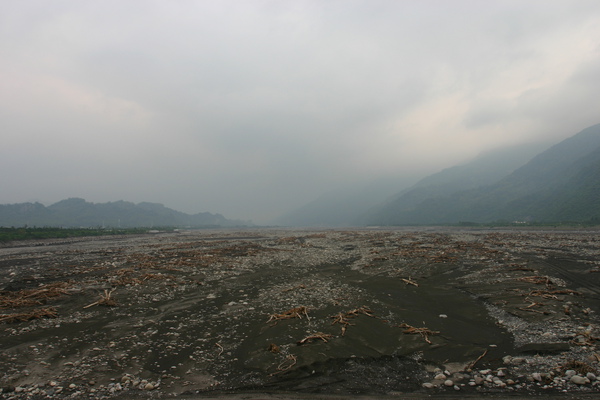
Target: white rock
569,373
443,316
448,382
440,377
428,385
536,376
579,380
149,386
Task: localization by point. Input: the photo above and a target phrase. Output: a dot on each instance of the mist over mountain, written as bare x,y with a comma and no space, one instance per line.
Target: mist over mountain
559,184
485,169
76,212
342,206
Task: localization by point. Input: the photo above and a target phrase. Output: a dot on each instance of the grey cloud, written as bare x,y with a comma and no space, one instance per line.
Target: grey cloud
253,108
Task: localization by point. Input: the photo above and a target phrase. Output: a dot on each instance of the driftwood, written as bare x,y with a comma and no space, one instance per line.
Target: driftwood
105,300
538,280
32,297
344,318
477,360
221,349
530,308
27,316
286,364
297,312
552,294
424,332
409,281
316,336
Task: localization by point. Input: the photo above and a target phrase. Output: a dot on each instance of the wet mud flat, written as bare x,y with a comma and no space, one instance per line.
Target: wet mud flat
419,312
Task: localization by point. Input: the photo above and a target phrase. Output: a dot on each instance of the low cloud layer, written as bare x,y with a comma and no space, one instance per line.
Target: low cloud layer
253,108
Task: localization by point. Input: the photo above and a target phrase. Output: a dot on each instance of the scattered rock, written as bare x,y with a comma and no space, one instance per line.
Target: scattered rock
579,380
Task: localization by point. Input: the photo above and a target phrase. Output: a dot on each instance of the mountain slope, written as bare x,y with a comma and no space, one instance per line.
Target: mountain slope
486,169
340,207
75,212
558,184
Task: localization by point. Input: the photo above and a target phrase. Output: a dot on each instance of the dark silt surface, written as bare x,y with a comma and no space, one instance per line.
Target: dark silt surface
198,313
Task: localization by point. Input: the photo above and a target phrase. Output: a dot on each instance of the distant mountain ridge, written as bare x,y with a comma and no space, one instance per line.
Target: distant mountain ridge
76,212
340,207
559,184
485,169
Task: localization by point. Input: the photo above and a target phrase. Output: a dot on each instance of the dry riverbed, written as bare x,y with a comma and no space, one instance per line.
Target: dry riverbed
363,312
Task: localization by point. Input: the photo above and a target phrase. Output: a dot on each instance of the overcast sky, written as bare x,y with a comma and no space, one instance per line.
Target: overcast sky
252,108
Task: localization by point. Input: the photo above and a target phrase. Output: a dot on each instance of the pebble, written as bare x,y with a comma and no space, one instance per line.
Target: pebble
428,385
440,377
149,386
591,376
448,382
